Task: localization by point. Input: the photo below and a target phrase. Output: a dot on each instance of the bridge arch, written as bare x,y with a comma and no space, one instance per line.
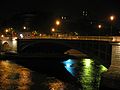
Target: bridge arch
53,47
5,46
46,47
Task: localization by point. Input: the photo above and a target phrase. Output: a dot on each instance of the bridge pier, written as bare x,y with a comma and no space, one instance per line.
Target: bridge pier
111,78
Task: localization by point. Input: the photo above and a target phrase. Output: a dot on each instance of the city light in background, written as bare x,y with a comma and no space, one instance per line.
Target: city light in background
39,29
62,24
57,22
112,19
24,27
99,26
53,30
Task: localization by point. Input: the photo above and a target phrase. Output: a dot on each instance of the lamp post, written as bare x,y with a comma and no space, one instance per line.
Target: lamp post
112,18
24,27
55,26
53,29
57,22
99,27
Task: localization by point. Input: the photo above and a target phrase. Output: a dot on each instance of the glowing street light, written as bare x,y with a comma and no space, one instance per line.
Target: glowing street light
24,27
9,32
99,26
6,30
2,35
53,30
57,22
56,26
112,18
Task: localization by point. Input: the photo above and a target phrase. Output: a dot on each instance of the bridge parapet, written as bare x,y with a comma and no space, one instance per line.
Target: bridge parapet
97,38
116,39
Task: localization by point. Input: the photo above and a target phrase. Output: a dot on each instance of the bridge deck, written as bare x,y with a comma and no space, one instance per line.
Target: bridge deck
96,38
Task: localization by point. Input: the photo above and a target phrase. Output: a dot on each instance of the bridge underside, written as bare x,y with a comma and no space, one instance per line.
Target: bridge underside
97,50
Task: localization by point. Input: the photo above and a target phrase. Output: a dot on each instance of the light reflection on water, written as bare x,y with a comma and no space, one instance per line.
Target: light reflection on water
86,71
16,77
69,67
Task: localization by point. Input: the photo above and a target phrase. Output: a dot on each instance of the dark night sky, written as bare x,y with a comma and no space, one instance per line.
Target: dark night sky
97,8
9,7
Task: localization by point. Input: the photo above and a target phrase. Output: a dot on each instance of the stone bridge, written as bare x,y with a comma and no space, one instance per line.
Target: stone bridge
104,49
98,50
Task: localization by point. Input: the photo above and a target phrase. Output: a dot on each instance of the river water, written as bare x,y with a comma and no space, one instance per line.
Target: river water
35,76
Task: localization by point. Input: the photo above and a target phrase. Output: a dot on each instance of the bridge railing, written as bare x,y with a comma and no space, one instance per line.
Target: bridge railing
98,38
116,39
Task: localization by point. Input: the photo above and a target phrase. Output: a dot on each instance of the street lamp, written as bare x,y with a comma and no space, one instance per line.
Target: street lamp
112,18
57,22
99,27
56,26
24,27
6,30
9,32
53,30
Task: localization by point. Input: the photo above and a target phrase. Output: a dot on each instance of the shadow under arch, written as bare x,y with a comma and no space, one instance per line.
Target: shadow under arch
50,46
45,47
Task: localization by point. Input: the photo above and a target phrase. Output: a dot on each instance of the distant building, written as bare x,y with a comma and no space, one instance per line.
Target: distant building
28,22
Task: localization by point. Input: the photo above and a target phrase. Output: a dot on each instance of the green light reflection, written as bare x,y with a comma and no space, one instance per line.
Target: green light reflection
90,75
87,72
87,62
